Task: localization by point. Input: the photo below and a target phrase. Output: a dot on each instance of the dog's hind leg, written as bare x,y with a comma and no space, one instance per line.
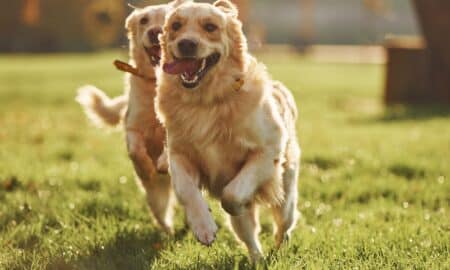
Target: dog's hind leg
161,200
157,187
246,228
286,214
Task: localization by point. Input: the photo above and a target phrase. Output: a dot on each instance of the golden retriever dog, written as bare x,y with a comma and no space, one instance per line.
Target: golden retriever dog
230,127
145,135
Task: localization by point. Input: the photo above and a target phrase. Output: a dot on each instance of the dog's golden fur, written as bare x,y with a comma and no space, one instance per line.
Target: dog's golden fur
145,135
240,145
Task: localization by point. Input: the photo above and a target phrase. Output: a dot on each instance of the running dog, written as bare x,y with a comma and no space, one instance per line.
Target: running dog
145,135
231,128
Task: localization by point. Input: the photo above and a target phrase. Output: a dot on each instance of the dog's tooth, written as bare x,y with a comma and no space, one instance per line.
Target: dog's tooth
185,79
203,64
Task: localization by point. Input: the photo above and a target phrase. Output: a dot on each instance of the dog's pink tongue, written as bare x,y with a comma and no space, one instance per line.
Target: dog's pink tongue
182,66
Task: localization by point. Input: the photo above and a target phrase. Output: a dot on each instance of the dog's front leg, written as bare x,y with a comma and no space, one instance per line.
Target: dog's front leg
137,151
260,167
186,179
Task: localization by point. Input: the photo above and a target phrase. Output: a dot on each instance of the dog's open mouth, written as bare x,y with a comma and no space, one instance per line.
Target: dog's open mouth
191,70
154,54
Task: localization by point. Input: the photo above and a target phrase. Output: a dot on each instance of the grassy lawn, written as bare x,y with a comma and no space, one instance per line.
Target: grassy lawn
374,186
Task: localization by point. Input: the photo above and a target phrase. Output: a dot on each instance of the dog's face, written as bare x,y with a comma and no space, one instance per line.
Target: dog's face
144,26
198,37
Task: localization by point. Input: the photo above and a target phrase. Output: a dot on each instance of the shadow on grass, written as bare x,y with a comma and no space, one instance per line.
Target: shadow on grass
225,263
407,171
322,162
128,250
409,113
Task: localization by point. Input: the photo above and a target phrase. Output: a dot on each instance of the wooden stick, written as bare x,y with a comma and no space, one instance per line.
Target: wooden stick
125,67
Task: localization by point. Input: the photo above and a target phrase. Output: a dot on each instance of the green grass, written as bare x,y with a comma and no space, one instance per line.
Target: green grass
374,187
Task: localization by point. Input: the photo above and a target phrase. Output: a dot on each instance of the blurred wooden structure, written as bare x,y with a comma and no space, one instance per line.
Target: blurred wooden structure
55,25
31,12
418,73
407,77
307,23
70,25
434,16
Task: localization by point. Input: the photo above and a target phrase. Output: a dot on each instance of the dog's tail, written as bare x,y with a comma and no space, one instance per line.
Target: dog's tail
101,109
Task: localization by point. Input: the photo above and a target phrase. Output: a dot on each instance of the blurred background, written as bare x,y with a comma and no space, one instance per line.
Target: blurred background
371,79
362,31
52,25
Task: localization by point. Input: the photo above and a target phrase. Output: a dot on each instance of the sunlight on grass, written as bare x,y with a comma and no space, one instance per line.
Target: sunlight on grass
374,186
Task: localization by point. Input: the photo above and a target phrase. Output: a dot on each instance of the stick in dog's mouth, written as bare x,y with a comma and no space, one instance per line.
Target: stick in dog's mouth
191,70
125,67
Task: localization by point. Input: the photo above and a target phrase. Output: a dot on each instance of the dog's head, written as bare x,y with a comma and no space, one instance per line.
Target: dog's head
144,25
201,39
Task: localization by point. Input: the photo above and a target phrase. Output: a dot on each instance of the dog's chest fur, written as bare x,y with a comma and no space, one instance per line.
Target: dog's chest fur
215,138
219,164
221,149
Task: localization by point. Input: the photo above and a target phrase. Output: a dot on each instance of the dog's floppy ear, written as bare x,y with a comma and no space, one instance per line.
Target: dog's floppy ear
133,6
176,3
130,23
227,7
129,20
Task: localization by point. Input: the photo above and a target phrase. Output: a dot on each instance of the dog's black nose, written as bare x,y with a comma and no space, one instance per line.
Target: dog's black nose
187,47
153,35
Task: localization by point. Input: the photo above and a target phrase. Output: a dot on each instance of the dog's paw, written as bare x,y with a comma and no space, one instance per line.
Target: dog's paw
204,230
280,238
168,229
256,256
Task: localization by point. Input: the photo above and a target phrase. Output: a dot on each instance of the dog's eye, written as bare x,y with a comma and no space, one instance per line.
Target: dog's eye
176,26
143,21
209,27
